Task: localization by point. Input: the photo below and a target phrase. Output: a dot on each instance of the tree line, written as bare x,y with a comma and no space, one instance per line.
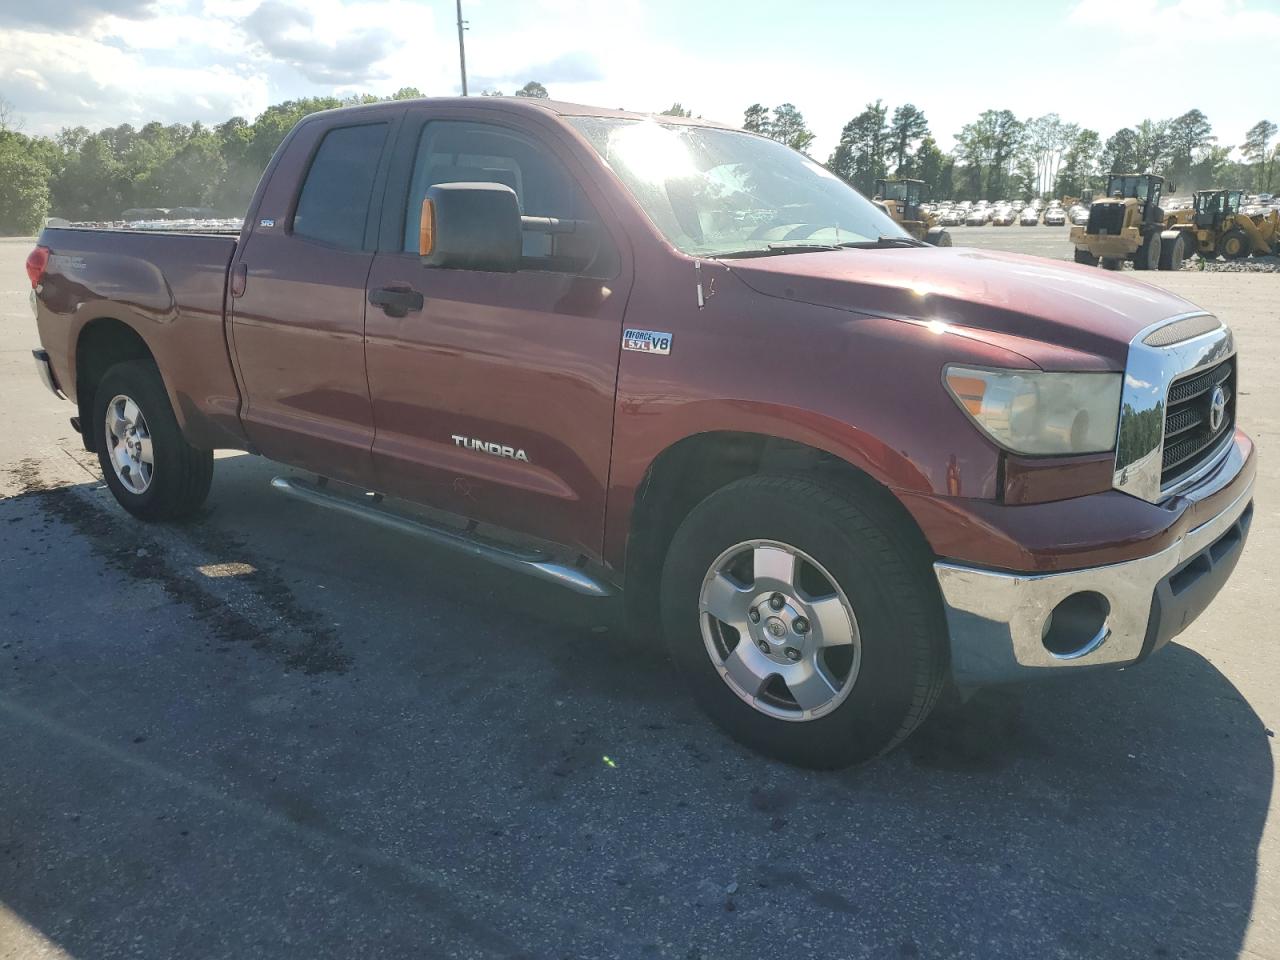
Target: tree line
80,174
84,175
998,155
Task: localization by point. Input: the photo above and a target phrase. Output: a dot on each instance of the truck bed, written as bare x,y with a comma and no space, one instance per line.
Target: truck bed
170,288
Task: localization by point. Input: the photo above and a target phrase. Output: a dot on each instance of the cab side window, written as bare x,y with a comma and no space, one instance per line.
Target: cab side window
333,206
562,232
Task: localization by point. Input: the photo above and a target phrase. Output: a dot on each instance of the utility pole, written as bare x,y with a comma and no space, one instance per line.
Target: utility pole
462,49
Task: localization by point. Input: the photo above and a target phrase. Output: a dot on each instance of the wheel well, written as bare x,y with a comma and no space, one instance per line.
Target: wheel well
101,345
689,471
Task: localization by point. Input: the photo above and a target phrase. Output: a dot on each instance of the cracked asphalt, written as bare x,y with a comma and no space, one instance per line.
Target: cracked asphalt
272,732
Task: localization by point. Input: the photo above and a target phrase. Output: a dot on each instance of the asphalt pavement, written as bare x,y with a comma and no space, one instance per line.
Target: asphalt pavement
272,732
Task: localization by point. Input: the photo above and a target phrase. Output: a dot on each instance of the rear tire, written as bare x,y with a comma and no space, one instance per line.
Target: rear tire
938,236
1085,257
1147,256
1112,263
872,581
151,469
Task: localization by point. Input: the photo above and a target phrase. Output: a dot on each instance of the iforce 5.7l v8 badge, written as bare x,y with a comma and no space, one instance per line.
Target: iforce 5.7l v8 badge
647,341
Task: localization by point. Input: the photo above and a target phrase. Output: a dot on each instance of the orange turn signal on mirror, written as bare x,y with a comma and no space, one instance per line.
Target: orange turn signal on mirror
427,229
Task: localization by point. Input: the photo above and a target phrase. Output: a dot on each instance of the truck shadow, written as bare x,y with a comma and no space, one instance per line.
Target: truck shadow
490,751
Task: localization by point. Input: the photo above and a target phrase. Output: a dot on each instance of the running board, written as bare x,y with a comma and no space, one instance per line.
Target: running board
529,562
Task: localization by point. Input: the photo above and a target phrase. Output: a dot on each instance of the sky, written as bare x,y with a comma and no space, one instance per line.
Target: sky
1103,64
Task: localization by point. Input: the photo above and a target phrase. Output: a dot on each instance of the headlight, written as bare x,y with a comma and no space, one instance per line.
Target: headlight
1028,411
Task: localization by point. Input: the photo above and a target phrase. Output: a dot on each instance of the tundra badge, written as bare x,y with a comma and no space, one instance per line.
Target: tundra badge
497,449
647,341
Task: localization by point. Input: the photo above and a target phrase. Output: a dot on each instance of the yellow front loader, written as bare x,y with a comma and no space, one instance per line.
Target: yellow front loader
900,199
1214,227
1128,224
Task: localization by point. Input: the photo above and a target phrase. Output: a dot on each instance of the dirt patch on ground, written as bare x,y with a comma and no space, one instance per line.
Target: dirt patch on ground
261,612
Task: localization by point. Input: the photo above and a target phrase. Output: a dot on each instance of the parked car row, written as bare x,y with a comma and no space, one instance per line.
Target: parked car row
1000,213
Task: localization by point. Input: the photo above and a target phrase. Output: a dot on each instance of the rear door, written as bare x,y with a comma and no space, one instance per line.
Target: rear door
298,326
494,394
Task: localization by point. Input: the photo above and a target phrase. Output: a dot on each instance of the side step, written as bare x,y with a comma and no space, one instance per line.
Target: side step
533,563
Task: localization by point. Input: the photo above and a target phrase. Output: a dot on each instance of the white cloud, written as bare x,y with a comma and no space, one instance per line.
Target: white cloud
65,80
1155,25
331,42
184,60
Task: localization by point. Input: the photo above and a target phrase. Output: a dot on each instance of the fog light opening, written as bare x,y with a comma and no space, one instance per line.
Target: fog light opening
1077,625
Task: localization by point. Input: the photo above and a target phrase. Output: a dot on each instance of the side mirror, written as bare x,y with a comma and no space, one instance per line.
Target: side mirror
470,226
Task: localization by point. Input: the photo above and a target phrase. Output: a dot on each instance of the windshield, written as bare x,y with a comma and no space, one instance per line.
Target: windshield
1128,187
714,192
894,190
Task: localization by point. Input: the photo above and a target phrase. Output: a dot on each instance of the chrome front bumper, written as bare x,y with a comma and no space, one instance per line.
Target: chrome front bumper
998,622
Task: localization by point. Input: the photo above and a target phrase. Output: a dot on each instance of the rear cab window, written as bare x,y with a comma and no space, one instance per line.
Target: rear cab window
337,192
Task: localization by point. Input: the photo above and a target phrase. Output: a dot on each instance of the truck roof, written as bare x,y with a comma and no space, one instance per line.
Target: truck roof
557,107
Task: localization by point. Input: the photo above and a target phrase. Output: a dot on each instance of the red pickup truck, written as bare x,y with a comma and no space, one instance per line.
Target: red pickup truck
835,468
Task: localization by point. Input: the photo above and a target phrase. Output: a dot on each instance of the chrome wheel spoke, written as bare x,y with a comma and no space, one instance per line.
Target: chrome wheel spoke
809,685
130,411
748,668
145,453
116,425
831,624
774,565
726,600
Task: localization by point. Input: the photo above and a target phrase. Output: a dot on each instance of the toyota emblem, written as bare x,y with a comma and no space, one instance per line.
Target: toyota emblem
1217,408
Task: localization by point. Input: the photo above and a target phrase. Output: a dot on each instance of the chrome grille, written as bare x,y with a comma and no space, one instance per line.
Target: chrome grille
1163,443
1189,440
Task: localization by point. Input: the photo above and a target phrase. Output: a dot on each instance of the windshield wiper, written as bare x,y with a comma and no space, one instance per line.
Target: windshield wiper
776,250
884,241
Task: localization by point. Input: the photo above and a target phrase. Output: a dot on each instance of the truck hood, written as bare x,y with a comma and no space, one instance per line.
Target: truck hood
1058,315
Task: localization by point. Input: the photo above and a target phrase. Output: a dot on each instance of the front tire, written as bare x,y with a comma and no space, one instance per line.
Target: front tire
1173,252
805,620
1234,244
1083,256
1148,255
151,469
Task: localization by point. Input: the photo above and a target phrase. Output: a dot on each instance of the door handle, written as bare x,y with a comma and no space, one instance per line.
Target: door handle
396,301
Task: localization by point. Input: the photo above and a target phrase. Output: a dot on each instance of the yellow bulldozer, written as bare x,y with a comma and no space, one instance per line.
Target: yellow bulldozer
1213,226
1128,224
901,199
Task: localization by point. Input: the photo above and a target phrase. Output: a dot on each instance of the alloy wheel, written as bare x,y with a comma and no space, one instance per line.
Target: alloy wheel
779,630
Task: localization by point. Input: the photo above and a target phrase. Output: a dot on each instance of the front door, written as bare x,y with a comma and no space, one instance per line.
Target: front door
494,396
298,327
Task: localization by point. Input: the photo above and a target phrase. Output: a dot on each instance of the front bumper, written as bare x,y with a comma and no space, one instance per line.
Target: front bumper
1002,625
1121,244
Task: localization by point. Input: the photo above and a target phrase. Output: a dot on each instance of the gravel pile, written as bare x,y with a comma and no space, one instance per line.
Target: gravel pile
1246,265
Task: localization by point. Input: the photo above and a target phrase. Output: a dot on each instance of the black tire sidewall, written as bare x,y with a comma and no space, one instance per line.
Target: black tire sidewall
1148,255
140,381
1234,233
871,716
